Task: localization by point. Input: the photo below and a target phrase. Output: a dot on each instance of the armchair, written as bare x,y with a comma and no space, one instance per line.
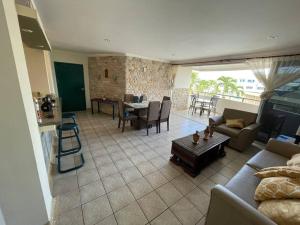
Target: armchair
240,138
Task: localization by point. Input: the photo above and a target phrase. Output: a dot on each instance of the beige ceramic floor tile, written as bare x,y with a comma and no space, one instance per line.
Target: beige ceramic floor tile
91,191
72,217
199,199
131,174
96,210
169,193
119,198
113,182
166,218
183,184
87,177
156,179
131,215
186,212
140,187
152,205
108,221
67,201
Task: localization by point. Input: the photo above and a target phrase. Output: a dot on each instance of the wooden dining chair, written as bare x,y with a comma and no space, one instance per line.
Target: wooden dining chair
166,98
125,116
152,117
128,98
165,113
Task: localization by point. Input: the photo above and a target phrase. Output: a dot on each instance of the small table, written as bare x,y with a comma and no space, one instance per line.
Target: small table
140,109
104,101
193,157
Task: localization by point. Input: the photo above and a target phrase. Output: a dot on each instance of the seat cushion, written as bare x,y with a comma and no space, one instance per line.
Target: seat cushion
265,159
244,184
232,132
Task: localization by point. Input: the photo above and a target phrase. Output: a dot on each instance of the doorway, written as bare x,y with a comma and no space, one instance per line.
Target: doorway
70,85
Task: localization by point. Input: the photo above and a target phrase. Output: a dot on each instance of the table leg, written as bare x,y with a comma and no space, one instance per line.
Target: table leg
98,106
222,152
92,107
113,112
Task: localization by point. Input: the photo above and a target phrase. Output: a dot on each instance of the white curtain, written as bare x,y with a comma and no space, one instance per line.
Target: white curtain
275,72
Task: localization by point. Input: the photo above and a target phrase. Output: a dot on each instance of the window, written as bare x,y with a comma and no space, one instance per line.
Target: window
260,88
242,80
251,81
287,97
249,87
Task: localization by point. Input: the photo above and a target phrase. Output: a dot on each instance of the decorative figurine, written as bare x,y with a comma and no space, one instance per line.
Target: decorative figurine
211,130
206,133
196,138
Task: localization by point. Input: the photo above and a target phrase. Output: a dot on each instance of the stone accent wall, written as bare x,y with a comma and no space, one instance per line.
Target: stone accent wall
134,76
111,85
180,98
152,78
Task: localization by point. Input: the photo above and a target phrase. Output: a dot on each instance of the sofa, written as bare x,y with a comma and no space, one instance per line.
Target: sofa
240,139
234,203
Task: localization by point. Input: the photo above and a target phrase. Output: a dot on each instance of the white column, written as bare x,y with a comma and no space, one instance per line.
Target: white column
25,197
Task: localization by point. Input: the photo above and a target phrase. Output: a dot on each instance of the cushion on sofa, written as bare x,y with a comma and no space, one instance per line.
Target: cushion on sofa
294,161
265,159
283,212
248,117
244,184
279,171
235,123
232,132
277,188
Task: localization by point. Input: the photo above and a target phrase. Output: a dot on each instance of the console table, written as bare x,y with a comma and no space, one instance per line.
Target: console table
105,101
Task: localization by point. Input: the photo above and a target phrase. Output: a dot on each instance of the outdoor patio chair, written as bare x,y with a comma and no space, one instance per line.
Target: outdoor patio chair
210,107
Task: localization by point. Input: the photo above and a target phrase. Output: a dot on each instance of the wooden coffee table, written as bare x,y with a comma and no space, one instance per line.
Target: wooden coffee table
193,157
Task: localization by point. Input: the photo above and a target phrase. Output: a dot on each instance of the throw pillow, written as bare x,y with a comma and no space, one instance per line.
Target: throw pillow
235,123
279,171
277,188
294,161
283,212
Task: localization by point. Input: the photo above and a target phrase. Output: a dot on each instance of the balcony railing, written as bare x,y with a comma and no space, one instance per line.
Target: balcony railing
243,99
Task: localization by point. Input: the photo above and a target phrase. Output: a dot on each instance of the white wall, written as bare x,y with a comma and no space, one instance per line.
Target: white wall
24,189
183,77
226,103
37,71
77,58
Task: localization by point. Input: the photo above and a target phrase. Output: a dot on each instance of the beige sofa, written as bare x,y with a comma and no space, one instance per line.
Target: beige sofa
234,203
240,138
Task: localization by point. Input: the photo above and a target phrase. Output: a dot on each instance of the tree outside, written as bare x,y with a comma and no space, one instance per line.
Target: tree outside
223,85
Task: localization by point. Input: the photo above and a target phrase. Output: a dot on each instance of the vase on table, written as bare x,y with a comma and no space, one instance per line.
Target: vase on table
196,137
206,133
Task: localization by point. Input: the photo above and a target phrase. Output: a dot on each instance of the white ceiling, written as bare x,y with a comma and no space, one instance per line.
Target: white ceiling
173,30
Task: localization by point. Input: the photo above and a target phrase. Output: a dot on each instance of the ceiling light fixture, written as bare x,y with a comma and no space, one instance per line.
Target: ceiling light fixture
273,37
27,30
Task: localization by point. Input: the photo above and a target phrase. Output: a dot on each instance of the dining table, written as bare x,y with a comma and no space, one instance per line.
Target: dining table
139,109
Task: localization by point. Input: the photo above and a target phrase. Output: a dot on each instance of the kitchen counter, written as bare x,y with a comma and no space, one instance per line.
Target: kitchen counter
56,120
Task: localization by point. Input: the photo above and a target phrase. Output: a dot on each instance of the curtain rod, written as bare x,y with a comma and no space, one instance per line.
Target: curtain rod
233,60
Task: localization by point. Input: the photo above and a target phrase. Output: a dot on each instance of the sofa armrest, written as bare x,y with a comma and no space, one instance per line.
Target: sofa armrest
227,208
285,149
216,120
251,128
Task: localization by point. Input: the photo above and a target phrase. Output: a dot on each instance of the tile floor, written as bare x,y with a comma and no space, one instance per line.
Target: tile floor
127,178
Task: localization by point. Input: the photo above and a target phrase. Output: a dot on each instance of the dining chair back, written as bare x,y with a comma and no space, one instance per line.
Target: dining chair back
121,109
135,99
164,113
125,115
128,98
153,111
166,98
165,109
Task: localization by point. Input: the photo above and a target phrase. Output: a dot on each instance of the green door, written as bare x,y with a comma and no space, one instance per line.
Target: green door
70,85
